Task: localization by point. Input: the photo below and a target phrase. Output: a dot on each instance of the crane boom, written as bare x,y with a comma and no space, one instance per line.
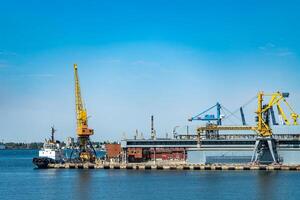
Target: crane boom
209,117
81,113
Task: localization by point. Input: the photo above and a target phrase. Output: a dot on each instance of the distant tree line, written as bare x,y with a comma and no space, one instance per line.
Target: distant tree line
21,145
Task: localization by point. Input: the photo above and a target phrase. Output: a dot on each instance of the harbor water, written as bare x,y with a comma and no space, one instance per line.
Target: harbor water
20,180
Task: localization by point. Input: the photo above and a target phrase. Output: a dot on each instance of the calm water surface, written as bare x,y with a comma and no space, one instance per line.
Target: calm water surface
19,180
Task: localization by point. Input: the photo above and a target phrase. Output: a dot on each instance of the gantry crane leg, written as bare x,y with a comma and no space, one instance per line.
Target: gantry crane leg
265,146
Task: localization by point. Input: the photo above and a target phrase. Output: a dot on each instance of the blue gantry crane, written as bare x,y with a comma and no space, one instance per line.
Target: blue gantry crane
203,116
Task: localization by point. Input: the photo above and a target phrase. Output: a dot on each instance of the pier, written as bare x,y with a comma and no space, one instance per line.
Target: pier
139,166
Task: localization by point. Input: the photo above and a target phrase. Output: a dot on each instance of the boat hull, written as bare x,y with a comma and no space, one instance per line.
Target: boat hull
42,163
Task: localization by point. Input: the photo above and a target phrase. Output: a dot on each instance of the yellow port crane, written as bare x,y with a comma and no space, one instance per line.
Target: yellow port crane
263,127
86,151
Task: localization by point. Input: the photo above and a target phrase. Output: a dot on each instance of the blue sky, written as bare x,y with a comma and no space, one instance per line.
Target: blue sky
138,58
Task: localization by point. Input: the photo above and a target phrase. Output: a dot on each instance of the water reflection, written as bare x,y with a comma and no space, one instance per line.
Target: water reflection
266,182
83,185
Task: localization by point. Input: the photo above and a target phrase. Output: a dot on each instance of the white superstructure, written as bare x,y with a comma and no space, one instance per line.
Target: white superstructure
52,150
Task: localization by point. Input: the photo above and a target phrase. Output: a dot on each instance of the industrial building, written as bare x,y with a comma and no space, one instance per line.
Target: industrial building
113,152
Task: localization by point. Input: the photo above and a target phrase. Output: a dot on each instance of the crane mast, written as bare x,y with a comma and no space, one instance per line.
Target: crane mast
86,151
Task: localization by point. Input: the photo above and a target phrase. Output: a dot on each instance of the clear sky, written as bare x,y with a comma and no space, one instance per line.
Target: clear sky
172,59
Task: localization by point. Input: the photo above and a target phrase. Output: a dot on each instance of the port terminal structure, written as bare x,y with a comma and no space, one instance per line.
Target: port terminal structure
209,146
265,145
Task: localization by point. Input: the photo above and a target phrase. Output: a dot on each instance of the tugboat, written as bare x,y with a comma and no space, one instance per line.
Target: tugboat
50,153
